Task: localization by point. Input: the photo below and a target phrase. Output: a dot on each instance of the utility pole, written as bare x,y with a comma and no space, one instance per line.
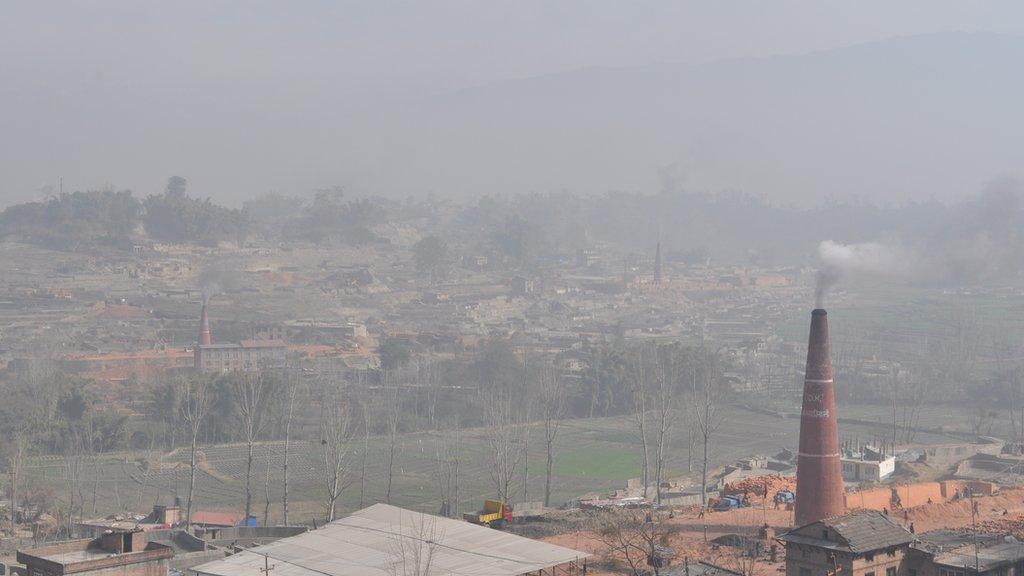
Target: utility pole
974,530
266,566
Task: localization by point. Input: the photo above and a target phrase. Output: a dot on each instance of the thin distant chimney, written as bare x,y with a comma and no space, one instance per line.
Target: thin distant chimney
205,339
657,264
819,472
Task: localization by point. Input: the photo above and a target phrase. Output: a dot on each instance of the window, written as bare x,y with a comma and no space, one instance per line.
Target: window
869,574
870,557
824,534
890,571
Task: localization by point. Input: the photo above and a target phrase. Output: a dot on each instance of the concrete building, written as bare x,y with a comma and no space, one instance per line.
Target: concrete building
867,465
865,543
116,553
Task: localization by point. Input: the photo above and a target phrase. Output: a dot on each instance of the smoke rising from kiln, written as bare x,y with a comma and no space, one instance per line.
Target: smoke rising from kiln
210,289
869,259
982,240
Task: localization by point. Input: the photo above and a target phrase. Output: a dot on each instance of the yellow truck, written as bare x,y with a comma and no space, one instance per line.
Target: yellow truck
495,514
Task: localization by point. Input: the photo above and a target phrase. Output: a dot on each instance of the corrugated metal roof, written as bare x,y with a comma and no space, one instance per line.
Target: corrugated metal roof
377,540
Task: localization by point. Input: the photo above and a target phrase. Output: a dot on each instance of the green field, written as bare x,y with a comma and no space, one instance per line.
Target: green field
592,455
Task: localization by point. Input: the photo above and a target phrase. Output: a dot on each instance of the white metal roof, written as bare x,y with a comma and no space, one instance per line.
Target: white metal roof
386,540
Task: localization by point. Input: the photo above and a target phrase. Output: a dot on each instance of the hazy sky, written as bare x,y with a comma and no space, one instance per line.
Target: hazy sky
121,92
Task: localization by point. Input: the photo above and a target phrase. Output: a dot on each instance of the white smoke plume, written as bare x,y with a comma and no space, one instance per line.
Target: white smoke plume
865,260
976,241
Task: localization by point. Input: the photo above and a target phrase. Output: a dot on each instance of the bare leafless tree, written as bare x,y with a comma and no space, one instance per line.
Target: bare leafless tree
193,410
706,392
505,439
640,368
668,369
365,451
74,460
447,462
252,393
526,408
335,439
551,405
635,538
290,392
413,545
266,491
392,413
17,452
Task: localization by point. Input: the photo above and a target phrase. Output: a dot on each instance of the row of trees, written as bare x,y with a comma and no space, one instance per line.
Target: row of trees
47,411
513,401
117,218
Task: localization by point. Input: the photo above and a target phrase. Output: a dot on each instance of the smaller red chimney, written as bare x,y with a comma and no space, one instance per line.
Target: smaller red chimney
205,339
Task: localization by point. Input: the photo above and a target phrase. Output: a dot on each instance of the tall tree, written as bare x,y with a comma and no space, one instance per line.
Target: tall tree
447,461
505,439
641,367
290,392
335,436
706,393
193,410
552,407
392,416
670,362
177,187
17,451
252,394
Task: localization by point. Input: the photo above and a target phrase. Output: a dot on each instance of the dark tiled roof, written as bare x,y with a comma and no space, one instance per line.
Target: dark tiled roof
869,530
858,532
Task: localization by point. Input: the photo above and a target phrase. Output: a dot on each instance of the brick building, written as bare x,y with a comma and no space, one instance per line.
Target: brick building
865,543
871,543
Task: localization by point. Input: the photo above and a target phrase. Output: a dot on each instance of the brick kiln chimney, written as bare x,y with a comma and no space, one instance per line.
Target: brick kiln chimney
657,264
819,473
205,339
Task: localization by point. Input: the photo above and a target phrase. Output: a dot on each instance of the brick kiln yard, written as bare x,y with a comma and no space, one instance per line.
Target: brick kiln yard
1001,513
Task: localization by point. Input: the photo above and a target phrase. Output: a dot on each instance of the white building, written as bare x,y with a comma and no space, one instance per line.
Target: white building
869,465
